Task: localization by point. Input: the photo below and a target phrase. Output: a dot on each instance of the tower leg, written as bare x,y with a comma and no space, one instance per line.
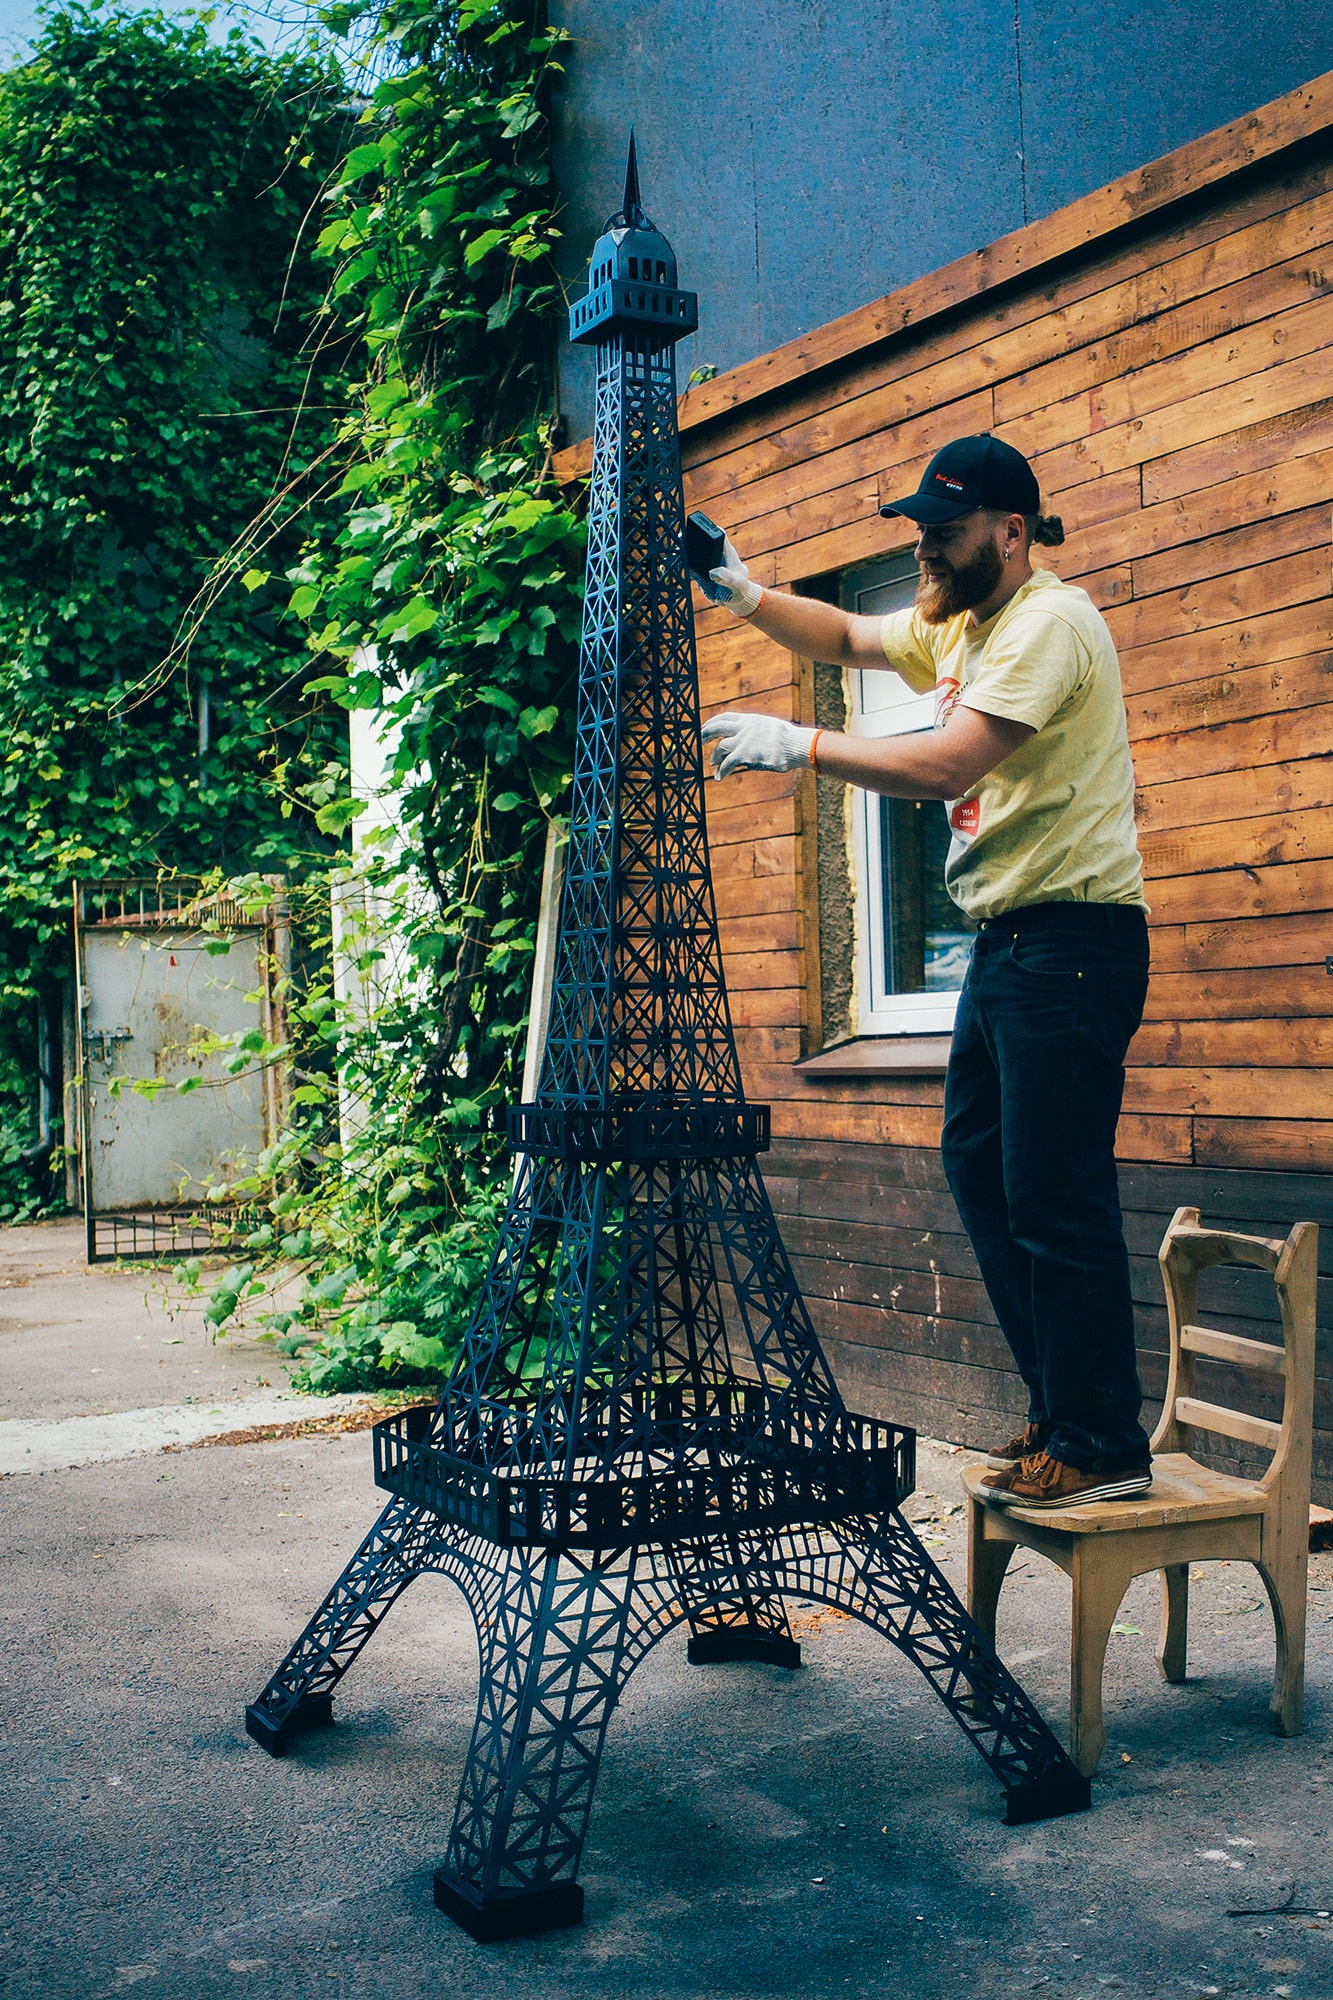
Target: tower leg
300,1695
553,1661
877,1570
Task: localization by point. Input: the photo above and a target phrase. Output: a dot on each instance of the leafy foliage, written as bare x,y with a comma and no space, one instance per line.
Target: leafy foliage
160,394
441,592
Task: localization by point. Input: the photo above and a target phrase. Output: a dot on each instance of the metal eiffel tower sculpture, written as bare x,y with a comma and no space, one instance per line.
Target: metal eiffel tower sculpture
641,1431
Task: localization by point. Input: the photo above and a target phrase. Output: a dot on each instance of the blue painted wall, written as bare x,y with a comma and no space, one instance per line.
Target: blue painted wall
806,157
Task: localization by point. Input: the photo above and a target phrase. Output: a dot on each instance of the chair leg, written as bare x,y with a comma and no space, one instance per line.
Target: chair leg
986,1565
1171,1638
1098,1589
1286,1584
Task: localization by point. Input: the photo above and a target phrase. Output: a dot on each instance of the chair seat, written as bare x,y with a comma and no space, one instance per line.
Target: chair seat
1182,1491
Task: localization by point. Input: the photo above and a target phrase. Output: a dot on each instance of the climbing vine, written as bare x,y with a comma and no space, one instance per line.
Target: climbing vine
440,591
165,382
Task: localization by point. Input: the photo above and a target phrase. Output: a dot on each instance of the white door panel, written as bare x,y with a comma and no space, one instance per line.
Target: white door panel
147,995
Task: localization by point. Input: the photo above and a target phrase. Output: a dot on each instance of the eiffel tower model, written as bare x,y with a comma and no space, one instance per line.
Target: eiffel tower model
641,1431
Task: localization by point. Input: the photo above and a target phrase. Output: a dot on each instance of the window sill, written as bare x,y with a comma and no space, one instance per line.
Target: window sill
879,1055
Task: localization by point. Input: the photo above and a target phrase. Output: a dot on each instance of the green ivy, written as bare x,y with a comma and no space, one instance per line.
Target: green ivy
441,589
168,394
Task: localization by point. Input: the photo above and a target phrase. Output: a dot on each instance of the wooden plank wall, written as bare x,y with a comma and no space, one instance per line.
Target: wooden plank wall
1173,385
890,1278
1176,397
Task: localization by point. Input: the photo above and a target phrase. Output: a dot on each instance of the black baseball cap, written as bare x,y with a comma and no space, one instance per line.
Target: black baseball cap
971,472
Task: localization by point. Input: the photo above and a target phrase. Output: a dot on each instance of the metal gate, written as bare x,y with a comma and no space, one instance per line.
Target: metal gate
156,963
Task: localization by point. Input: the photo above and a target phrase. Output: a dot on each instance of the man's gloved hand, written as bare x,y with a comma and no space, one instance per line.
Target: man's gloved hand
756,743
731,584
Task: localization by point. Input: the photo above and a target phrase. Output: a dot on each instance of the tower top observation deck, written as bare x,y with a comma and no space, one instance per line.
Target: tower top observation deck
632,277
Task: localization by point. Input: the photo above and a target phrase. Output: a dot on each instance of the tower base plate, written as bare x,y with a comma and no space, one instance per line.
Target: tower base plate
1047,1798
742,1642
508,1916
313,1711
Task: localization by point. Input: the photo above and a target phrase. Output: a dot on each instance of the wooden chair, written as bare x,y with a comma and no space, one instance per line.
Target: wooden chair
1190,1514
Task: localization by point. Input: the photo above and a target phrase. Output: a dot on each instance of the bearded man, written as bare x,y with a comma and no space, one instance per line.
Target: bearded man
1031,754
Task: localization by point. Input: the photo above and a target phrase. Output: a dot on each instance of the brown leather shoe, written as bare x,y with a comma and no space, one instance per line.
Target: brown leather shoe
1041,1482
1026,1444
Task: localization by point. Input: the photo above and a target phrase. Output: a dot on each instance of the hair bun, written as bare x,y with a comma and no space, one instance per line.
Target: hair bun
1049,531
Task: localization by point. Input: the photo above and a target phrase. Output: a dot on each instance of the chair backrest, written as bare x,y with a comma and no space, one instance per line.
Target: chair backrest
1187,1249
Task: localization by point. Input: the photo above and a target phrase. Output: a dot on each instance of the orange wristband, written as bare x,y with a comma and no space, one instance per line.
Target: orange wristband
813,741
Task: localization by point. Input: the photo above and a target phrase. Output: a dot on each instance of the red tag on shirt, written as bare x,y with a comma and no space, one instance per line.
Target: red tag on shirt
965,817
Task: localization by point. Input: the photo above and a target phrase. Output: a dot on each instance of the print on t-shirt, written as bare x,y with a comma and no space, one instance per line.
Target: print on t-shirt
964,814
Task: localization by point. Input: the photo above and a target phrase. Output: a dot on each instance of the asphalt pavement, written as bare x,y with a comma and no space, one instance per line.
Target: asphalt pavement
757,1834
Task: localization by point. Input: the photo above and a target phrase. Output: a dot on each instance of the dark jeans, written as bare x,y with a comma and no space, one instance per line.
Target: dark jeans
1036,1074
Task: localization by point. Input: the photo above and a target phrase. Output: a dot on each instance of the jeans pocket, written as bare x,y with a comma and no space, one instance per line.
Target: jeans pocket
1122,959
1048,954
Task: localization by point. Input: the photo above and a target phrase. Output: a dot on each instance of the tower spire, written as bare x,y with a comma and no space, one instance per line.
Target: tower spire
632,206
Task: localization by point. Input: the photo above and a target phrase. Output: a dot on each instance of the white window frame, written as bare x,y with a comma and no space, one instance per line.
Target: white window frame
882,704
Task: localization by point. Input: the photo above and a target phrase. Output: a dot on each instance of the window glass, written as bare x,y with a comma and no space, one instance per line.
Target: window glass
913,942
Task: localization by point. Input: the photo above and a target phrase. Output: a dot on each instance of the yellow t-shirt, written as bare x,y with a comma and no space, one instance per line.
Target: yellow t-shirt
1054,823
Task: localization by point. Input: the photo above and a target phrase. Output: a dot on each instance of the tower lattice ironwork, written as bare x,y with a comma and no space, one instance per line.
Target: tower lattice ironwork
641,1430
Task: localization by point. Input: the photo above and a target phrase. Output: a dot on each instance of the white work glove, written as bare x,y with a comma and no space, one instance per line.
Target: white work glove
732,585
756,743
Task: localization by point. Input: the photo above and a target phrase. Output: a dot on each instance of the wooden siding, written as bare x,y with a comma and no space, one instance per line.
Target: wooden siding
1174,389
1164,353
892,1284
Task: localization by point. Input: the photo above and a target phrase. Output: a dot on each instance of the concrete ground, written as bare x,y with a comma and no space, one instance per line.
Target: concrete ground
77,1342
756,1834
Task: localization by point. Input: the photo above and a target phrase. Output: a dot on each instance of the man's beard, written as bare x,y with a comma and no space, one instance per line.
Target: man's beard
965,585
